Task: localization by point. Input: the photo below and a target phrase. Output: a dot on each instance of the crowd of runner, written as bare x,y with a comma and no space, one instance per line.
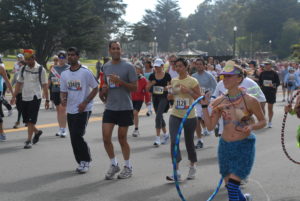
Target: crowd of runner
235,91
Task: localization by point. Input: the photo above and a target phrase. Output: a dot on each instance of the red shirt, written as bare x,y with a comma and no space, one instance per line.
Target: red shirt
141,92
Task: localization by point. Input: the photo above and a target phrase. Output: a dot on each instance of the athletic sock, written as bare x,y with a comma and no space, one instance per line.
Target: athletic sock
234,191
128,164
114,161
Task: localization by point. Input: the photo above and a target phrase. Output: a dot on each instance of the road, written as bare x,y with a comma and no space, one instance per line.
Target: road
46,172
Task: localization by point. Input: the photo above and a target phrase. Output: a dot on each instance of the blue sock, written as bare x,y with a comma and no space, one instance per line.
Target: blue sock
234,191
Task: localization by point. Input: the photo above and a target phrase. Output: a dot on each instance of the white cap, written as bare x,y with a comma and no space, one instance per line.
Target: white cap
20,56
158,63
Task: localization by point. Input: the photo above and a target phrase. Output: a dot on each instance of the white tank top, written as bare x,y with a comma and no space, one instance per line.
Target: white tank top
172,72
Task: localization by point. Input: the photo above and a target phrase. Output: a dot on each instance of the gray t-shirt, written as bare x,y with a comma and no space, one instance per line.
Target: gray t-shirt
55,79
206,81
118,98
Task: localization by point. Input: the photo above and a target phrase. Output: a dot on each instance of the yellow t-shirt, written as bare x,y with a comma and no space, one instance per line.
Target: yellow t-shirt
183,101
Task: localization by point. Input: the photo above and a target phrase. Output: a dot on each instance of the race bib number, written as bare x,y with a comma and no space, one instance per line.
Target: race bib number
268,83
182,103
202,90
55,81
111,84
74,85
158,90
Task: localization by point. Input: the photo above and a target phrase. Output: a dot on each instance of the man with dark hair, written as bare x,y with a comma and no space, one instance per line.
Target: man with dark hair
75,94
120,80
32,79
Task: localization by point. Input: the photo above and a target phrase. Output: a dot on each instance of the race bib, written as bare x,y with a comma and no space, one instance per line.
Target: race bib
55,81
268,83
202,90
182,103
158,90
111,84
74,85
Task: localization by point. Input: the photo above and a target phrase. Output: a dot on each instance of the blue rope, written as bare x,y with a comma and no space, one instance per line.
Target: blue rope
176,152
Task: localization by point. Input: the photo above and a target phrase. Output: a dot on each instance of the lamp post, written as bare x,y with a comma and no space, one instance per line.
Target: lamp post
270,46
186,40
234,39
155,46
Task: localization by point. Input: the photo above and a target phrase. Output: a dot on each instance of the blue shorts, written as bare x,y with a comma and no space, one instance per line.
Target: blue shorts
237,157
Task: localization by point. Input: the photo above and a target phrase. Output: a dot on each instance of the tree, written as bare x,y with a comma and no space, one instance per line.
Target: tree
163,21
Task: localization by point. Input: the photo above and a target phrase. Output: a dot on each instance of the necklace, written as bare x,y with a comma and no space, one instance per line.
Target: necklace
235,97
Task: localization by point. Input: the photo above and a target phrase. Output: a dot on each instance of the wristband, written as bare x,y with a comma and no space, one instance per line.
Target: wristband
204,106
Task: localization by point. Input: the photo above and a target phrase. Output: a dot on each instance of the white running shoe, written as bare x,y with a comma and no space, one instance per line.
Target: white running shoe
125,173
83,167
171,177
10,113
192,173
270,125
113,169
248,197
165,138
2,137
135,133
63,134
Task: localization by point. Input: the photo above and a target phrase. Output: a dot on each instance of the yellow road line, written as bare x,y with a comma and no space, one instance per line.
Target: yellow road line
93,119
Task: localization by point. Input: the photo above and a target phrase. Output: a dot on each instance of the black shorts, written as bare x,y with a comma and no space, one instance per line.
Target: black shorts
270,97
121,118
55,97
137,105
30,110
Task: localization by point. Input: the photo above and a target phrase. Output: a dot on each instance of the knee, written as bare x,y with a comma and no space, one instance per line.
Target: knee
122,140
106,140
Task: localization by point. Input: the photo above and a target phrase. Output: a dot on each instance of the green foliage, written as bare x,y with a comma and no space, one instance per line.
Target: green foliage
163,21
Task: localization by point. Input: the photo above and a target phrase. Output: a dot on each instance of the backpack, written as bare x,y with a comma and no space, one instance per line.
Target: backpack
39,72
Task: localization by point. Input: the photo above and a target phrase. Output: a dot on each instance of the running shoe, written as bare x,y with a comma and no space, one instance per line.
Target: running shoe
171,177
205,132
199,144
113,169
63,134
165,138
192,173
16,124
248,197
58,133
125,173
28,145
270,125
36,137
135,133
156,143
2,137
83,167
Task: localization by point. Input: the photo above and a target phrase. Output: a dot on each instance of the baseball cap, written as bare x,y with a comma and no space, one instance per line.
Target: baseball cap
158,63
20,56
252,62
27,53
231,68
62,54
138,65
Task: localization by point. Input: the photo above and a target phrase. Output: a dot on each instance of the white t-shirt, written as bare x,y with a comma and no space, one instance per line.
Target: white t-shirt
31,82
172,72
248,84
77,84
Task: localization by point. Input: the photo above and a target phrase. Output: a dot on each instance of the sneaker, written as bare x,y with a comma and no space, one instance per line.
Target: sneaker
270,125
10,113
205,132
192,173
156,143
199,144
2,137
111,172
63,134
248,197
171,177
165,139
58,133
125,173
36,137
83,167
135,133
16,124
28,145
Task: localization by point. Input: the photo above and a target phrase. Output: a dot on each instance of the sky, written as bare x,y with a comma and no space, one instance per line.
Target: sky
136,8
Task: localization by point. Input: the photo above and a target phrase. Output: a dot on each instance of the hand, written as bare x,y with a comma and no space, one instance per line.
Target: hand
82,106
247,129
206,99
13,100
288,108
153,82
170,97
103,93
47,104
115,79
